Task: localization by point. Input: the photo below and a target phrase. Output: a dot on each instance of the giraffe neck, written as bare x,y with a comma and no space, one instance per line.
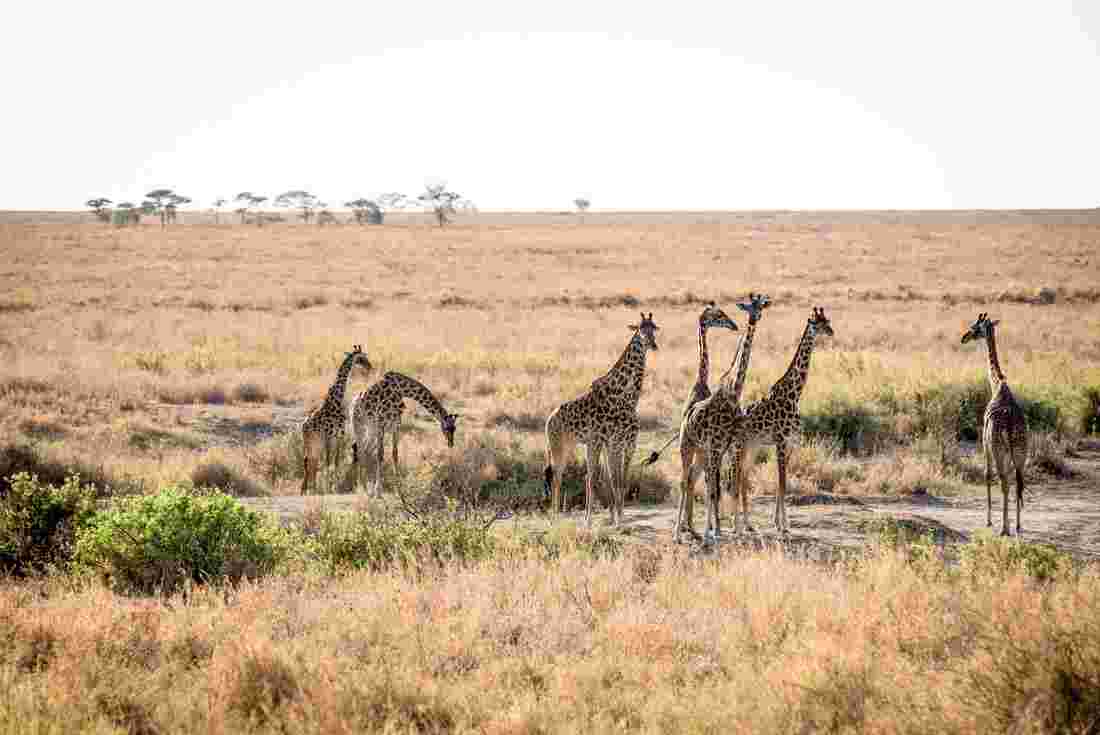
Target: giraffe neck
625,376
996,377
335,395
742,362
413,389
795,377
704,356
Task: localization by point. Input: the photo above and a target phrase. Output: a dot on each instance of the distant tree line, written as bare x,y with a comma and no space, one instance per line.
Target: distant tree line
437,199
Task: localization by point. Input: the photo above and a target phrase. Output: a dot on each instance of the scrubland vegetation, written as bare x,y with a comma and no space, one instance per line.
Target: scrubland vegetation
159,364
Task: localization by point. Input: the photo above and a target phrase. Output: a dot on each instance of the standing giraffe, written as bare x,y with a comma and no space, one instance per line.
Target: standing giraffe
604,417
326,423
776,420
378,410
1004,429
707,429
711,316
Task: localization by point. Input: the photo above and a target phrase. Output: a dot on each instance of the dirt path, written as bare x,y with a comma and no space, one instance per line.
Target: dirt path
1062,512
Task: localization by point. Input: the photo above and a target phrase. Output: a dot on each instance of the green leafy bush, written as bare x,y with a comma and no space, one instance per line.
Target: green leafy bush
992,557
158,542
369,541
853,425
39,522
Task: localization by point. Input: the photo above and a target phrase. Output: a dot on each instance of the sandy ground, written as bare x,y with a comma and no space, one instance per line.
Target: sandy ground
1061,512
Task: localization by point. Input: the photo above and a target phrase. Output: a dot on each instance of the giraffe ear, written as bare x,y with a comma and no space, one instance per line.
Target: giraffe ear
632,327
743,307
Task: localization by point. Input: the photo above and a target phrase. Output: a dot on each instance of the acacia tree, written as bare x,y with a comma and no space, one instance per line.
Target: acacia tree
365,211
125,213
164,203
442,202
218,204
299,199
249,201
99,208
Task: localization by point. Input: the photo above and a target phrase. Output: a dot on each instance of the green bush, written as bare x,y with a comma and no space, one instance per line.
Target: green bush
39,522
361,541
992,557
158,542
852,425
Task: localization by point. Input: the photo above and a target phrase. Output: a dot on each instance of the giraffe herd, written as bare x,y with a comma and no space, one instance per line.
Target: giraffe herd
604,419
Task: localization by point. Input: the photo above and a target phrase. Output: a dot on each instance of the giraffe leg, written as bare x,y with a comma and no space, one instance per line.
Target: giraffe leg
311,452
628,456
988,484
1002,473
594,450
781,490
559,448
380,466
1019,458
618,482
396,435
743,488
712,474
733,487
689,472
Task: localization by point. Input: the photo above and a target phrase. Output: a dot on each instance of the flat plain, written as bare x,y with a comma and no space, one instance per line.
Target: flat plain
145,356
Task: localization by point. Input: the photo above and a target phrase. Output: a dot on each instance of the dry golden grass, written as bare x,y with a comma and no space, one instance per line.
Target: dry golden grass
645,641
181,354
108,333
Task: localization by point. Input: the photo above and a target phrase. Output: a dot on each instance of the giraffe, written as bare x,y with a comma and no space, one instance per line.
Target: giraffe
326,423
711,316
604,417
775,419
378,410
706,429
1004,429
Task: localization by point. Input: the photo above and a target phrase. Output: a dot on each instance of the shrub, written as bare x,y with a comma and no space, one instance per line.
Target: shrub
39,522
993,557
250,393
20,458
363,541
853,425
158,542
217,475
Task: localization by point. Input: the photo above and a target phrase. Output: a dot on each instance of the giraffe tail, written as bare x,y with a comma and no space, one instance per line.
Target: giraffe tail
547,480
656,455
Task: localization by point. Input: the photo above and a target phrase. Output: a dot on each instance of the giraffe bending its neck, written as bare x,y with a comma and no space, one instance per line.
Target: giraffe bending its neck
1004,429
704,432
776,420
326,423
378,410
604,417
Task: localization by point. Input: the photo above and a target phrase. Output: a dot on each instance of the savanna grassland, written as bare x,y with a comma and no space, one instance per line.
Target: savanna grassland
145,358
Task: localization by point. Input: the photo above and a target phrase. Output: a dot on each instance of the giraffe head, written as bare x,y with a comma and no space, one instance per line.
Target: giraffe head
757,303
712,316
647,330
980,329
359,359
819,323
448,424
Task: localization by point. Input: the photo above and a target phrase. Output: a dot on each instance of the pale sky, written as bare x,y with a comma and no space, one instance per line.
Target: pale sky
637,105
